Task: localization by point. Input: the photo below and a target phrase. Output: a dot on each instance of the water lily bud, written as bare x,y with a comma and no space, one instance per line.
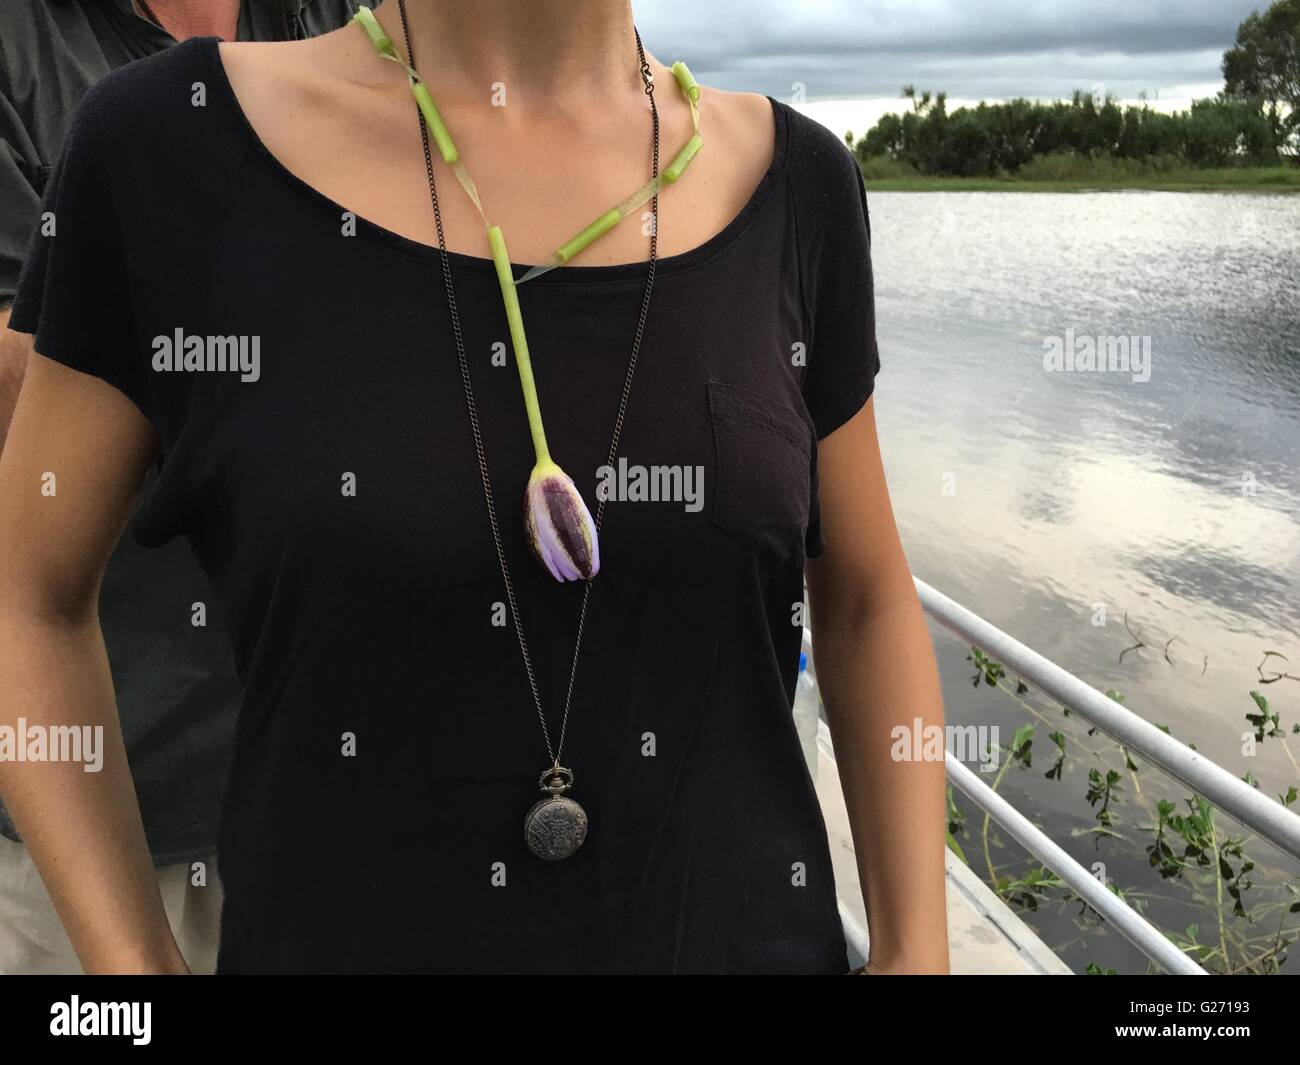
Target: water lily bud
560,527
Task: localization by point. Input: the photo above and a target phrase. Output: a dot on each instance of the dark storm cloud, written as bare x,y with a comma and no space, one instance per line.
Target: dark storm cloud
980,48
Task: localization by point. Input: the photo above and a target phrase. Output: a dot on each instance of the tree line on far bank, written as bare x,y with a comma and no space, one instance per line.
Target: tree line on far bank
1255,121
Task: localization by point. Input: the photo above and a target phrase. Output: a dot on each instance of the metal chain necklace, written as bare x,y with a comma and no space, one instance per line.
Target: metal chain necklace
561,531
557,825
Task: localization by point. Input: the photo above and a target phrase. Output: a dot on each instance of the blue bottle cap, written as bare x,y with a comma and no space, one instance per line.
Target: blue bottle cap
803,661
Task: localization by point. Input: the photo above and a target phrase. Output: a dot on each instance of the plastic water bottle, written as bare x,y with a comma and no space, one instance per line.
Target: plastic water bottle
807,714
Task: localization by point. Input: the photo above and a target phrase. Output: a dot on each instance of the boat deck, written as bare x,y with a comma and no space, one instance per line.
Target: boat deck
984,935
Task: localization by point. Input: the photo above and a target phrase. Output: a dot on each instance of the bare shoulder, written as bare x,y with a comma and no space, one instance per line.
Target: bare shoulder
302,68
280,83
262,69
259,58
739,109
741,127
739,122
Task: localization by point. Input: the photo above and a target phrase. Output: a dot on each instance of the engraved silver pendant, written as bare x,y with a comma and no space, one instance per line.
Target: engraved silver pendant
556,826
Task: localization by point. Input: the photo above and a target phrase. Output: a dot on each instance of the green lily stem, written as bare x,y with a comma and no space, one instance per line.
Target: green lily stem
433,119
683,159
365,18
686,81
597,229
515,318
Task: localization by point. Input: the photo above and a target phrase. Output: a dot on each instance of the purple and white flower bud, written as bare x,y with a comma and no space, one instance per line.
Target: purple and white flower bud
560,527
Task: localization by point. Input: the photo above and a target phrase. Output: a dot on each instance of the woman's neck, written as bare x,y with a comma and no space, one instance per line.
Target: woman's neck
537,49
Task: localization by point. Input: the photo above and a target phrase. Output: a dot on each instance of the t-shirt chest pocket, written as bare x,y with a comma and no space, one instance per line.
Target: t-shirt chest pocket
763,478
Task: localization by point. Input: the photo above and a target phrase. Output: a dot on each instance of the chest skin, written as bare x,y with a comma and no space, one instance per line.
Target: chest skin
545,167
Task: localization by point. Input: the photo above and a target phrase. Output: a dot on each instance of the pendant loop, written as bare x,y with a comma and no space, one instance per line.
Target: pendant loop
557,780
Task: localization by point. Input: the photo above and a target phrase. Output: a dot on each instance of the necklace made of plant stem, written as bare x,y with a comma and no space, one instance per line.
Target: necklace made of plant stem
560,528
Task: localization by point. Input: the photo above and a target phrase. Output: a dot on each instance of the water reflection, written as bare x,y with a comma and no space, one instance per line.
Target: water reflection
1034,496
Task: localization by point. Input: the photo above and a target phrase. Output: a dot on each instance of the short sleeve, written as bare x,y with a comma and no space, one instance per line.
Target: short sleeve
839,292
73,293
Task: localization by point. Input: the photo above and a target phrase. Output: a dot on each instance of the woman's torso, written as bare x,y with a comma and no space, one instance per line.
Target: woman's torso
388,747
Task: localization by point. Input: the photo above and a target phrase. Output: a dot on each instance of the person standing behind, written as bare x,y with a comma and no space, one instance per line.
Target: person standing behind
176,690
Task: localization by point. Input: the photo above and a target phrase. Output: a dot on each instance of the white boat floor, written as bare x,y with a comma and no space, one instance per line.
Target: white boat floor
985,936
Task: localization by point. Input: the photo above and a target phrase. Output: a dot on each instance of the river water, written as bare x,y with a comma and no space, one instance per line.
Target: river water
1054,501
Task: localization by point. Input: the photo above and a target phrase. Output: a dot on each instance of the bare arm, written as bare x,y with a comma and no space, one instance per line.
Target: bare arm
76,452
876,670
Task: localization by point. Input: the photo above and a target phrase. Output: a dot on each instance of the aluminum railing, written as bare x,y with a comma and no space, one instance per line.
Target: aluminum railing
1268,818
1271,820
1118,913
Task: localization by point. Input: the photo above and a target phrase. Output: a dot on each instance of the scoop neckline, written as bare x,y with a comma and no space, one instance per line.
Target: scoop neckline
209,47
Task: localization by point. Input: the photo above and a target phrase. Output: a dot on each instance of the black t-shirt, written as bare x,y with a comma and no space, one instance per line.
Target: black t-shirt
387,747
177,691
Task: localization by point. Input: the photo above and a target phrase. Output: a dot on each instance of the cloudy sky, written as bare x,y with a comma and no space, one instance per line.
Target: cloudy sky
864,51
